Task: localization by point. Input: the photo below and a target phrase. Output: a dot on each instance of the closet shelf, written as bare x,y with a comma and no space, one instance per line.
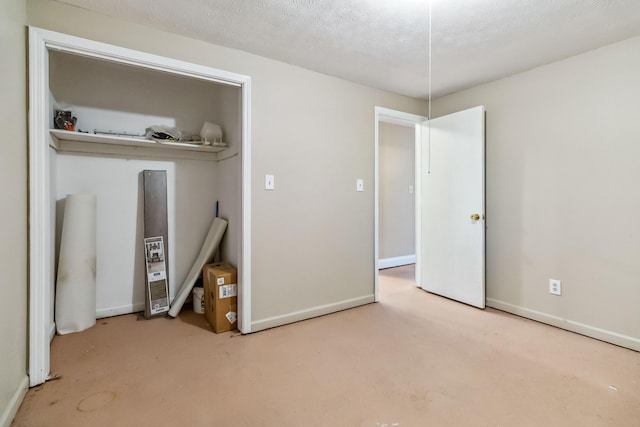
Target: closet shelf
89,143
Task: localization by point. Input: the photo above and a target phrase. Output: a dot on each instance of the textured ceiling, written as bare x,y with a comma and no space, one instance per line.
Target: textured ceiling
384,43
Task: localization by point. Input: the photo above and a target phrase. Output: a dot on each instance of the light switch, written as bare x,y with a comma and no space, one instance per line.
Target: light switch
269,182
359,184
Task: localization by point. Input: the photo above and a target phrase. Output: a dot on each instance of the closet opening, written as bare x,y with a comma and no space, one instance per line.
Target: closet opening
98,116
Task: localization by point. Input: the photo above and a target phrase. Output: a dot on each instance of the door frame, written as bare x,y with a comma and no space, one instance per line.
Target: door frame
41,262
404,119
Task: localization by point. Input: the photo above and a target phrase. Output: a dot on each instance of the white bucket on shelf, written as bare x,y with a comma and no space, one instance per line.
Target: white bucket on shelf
198,300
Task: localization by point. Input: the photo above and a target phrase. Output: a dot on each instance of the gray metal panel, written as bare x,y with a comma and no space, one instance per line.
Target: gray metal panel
155,218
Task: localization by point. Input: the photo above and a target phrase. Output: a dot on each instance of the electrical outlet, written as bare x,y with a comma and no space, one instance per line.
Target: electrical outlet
555,287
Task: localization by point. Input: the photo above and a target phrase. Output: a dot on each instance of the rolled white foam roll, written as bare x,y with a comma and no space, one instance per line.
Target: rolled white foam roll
211,242
76,282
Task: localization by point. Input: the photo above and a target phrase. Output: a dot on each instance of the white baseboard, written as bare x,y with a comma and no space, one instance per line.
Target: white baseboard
309,313
396,261
580,328
12,408
117,311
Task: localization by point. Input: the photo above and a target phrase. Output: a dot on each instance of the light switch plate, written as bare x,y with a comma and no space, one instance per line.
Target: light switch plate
269,182
359,184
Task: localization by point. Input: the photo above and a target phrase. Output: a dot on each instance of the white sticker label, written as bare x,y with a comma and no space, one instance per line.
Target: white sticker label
157,275
154,256
231,316
157,289
228,291
220,280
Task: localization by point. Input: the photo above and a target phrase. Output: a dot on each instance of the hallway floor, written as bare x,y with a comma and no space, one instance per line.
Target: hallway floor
413,359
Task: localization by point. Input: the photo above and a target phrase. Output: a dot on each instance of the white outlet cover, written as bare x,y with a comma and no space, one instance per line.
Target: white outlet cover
555,287
359,184
269,182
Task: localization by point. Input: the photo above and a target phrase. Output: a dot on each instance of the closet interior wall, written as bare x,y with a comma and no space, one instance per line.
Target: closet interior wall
111,96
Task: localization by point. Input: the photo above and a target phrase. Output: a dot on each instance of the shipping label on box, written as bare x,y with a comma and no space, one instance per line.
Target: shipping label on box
228,291
231,316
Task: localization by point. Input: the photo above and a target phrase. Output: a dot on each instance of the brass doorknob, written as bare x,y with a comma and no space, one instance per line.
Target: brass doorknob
475,217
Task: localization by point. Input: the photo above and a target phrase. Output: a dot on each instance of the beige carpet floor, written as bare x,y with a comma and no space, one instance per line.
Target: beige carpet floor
413,359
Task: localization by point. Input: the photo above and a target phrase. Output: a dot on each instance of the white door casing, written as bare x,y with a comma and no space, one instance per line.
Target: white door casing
453,190
40,209
397,117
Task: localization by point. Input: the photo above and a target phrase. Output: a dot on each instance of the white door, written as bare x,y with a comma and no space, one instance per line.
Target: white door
453,227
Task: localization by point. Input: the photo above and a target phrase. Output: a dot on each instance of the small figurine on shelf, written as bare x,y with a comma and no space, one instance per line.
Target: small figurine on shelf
64,119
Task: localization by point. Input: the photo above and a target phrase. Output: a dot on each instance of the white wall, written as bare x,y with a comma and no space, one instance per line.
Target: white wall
397,204
228,110
54,238
228,176
315,133
563,167
13,211
191,195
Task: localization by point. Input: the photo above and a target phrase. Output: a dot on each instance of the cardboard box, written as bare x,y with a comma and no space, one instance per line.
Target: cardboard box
220,296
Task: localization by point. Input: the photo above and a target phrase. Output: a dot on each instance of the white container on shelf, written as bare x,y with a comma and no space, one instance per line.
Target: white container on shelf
211,133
